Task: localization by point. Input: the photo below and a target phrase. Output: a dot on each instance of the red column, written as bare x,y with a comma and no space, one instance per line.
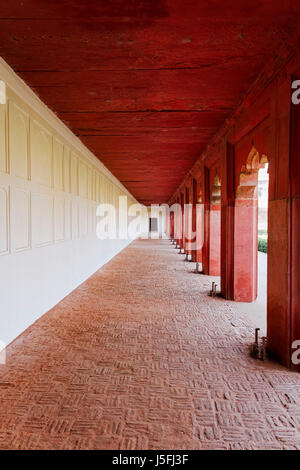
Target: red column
197,222
182,241
171,221
199,232
206,220
283,322
212,226
194,220
227,222
187,222
245,243
239,231
214,240
177,222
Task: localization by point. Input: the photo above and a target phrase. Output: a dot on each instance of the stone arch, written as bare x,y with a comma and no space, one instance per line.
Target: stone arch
254,161
247,188
199,194
216,191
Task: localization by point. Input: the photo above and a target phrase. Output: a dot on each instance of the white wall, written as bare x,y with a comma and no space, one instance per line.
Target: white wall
50,187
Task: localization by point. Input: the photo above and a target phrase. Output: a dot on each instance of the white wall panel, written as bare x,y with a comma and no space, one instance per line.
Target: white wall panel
75,220
59,219
83,180
67,184
42,219
3,154
41,154
4,220
90,184
58,164
18,141
21,222
74,173
83,219
68,219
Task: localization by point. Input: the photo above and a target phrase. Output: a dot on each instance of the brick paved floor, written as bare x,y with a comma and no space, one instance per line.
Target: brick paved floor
139,357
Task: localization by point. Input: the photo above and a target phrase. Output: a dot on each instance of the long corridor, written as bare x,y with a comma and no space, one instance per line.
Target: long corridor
140,357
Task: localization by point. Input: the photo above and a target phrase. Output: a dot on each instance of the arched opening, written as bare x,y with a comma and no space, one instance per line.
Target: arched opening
262,261
250,237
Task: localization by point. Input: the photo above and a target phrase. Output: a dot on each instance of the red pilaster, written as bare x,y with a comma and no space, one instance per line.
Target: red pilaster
227,222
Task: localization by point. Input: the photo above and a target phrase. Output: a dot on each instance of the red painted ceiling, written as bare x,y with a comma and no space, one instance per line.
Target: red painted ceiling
145,84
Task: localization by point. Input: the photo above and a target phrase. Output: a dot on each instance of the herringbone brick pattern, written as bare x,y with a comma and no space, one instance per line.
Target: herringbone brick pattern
140,357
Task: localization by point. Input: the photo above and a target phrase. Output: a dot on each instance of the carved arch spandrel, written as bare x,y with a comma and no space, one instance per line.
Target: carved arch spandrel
216,191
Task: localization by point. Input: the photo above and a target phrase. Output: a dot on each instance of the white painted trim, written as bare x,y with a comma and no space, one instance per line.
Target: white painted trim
20,88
